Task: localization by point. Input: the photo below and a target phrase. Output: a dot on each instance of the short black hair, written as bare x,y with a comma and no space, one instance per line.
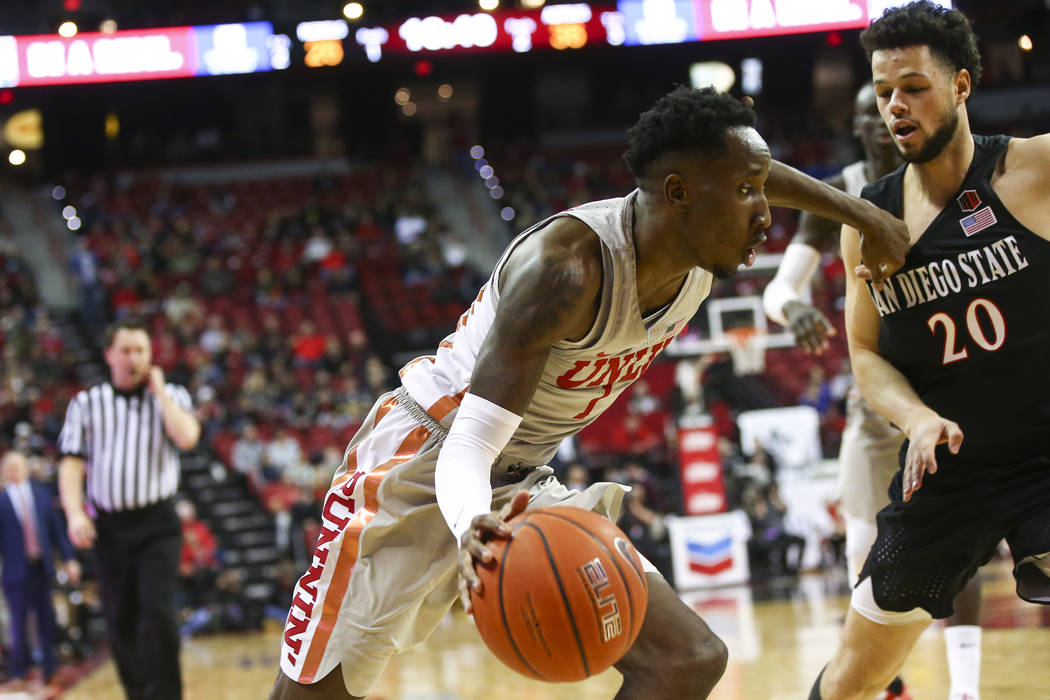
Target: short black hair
127,323
948,33
686,119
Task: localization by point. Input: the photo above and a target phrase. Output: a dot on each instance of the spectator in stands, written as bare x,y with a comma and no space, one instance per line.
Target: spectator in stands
318,246
248,452
355,402
308,346
340,280
760,468
216,280
180,306
378,378
841,383
772,549
47,339
85,267
283,452
577,477
633,437
646,527
268,293
333,357
817,392
199,557
642,401
215,337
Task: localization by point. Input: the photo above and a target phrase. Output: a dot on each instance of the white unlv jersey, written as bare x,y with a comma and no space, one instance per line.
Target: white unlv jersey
581,379
855,176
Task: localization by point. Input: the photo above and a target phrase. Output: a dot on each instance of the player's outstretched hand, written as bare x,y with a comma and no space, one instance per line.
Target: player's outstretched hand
921,458
884,242
472,547
811,328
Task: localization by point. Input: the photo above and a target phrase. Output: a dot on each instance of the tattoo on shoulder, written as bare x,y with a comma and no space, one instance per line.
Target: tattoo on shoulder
549,298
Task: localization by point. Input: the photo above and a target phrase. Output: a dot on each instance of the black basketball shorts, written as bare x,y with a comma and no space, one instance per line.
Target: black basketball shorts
928,548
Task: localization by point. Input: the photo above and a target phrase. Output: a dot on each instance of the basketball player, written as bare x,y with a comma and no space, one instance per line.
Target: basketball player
575,311
868,458
954,343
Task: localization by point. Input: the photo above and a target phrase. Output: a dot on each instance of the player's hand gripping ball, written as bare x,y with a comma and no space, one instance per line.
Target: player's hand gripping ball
564,596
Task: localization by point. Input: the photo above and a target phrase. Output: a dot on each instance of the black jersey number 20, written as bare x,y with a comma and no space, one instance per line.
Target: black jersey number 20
973,327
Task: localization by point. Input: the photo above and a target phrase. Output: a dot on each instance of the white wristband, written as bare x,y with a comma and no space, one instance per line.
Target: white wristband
796,271
462,483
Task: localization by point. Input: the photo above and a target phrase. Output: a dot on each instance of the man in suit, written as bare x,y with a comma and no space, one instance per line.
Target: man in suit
30,531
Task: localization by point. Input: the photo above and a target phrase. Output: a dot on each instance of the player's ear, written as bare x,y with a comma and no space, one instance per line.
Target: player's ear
676,190
963,84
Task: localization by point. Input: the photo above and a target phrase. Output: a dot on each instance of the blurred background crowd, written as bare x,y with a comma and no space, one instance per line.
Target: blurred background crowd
293,237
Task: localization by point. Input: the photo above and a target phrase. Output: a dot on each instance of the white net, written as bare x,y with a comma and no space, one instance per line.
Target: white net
746,350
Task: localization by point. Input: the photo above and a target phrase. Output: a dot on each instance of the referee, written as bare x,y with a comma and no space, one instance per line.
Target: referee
127,432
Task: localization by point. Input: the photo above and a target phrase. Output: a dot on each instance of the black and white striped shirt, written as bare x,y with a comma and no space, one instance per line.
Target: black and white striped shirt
131,461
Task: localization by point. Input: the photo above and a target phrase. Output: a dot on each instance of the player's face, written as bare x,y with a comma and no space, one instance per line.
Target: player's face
868,126
730,210
918,98
129,358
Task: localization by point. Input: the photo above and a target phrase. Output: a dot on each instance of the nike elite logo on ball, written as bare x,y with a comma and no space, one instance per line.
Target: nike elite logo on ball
597,581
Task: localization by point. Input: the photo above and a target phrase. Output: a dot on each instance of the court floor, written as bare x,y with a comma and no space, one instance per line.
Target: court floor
776,648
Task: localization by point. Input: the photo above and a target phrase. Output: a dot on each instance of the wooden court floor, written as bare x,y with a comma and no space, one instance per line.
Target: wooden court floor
776,649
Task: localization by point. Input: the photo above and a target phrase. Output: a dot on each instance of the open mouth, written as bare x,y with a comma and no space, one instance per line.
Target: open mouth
752,252
904,131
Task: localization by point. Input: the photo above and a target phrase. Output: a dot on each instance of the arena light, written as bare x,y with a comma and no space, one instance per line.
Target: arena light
24,129
714,73
488,5
507,213
112,127
751,76
409,109
402,96
533,4
108,26
353,10
323,30
1025,42
67,30
477,151
372,40
68,212
73,224
16,157
444,92
58,192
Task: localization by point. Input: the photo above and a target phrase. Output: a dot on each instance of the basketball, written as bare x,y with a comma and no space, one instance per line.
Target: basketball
564,597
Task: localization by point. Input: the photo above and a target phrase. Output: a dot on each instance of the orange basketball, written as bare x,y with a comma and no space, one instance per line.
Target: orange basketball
564,597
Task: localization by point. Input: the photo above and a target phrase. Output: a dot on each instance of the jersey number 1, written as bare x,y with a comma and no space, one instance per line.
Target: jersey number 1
973,326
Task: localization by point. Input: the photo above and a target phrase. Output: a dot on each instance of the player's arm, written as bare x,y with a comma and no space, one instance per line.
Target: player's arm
885,388
548,292
1027,163
886,240
782,298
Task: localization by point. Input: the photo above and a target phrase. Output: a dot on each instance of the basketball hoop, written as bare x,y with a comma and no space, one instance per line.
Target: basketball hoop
746,349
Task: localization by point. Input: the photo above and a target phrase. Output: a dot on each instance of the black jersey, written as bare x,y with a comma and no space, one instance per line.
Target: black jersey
967,319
